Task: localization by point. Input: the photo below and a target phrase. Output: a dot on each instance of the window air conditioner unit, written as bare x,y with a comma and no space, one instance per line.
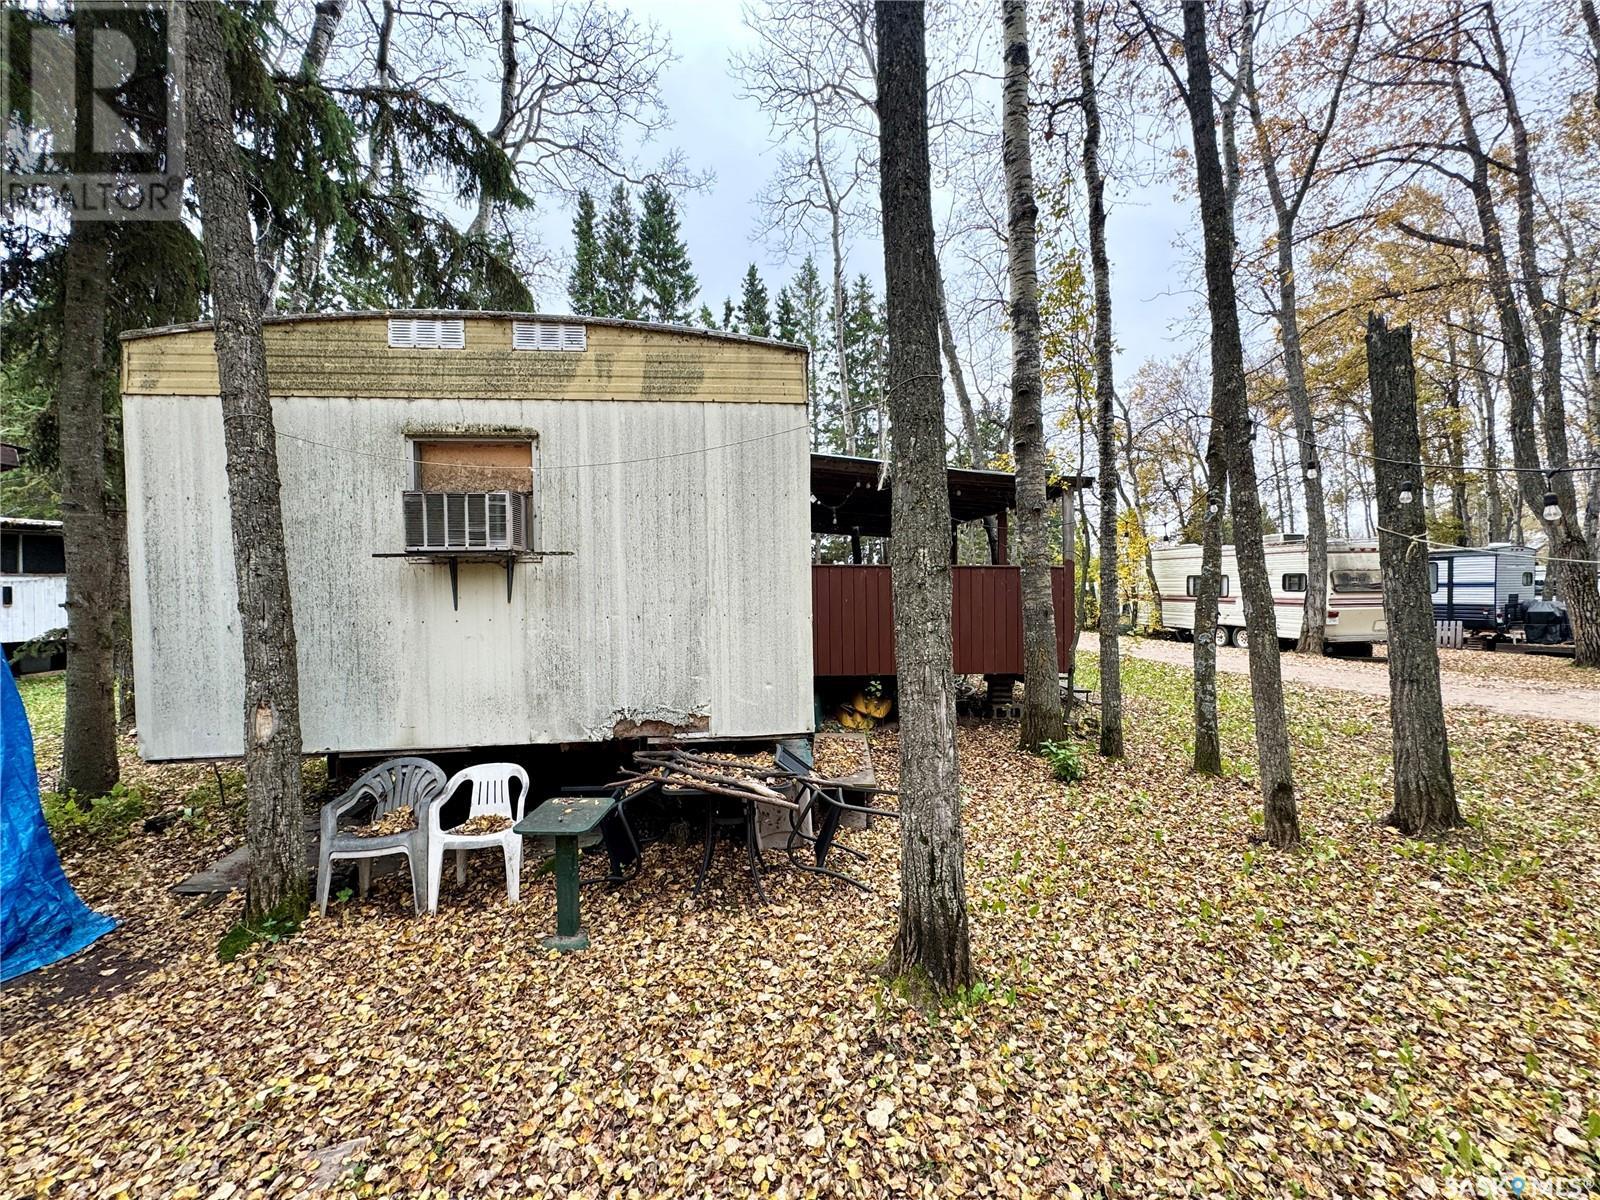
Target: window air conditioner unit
467,521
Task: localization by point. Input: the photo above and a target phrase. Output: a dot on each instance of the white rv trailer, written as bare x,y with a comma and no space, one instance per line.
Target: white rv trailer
1355,590
502,530
1475,584
33,581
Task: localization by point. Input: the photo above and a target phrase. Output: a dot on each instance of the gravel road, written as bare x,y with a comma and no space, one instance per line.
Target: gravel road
1547,698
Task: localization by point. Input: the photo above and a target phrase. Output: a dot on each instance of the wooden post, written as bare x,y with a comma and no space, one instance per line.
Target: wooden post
1424,789
855,545
1003,538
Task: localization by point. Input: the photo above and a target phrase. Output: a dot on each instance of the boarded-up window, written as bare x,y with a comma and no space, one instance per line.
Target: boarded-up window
464,465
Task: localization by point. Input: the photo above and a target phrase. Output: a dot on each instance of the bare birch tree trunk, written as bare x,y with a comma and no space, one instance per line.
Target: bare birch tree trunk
277,880
1569,546
1591,22
1104,396
1424,789
89,742
1230,407
318,43
508,107
1207,731
1041,706
932,936
970,436
1286,206
1455,443
1564,536
1495,516
835,208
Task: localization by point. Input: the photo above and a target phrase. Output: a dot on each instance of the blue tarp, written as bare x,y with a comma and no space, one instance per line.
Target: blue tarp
41,917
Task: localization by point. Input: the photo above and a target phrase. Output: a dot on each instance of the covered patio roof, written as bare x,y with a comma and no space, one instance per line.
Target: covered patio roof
845,496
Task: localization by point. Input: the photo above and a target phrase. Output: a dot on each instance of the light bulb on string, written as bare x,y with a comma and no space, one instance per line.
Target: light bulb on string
1312,470
1407,493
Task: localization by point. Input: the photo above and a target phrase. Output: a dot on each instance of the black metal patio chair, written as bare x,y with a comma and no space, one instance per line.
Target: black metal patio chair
824,802
624,842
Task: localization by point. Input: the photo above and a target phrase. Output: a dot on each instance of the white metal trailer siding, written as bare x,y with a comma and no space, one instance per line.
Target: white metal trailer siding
686,598
1514,576
1474,584
1463,587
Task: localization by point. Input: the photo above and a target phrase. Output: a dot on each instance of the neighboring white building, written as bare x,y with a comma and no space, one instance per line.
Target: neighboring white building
33,580
1355,590
502,530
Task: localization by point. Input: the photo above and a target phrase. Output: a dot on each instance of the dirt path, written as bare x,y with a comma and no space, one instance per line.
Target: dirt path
1514,697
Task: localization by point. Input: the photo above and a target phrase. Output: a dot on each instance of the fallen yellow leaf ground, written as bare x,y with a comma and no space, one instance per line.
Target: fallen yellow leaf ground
1167,1008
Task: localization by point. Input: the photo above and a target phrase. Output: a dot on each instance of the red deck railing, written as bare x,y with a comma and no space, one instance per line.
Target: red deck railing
852,628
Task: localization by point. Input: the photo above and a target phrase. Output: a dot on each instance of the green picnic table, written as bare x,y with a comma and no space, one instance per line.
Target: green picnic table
565,819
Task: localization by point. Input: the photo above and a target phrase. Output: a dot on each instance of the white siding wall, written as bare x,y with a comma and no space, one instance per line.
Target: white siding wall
35,607
1509,569
688,592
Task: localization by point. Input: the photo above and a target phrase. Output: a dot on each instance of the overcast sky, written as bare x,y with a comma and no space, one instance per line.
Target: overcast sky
728,136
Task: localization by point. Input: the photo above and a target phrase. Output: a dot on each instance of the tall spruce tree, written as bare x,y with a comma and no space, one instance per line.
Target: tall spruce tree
66,298
667,284
583,285
788,316
706,318
618,296
730,315
866,351
755,316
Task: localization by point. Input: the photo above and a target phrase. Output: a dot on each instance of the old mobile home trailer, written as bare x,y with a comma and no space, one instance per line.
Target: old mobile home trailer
33,586
1476,585
1355,590
502,529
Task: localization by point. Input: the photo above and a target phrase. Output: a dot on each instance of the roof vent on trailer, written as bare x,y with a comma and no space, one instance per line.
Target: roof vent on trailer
548,335
427,333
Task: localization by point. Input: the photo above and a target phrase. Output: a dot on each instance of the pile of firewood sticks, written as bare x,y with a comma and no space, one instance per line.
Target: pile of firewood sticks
754,778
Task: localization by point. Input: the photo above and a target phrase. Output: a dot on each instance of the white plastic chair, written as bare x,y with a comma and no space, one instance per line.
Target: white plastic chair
491,796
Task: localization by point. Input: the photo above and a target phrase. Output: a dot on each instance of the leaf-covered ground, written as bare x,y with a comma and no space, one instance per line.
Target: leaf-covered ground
1168,1010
